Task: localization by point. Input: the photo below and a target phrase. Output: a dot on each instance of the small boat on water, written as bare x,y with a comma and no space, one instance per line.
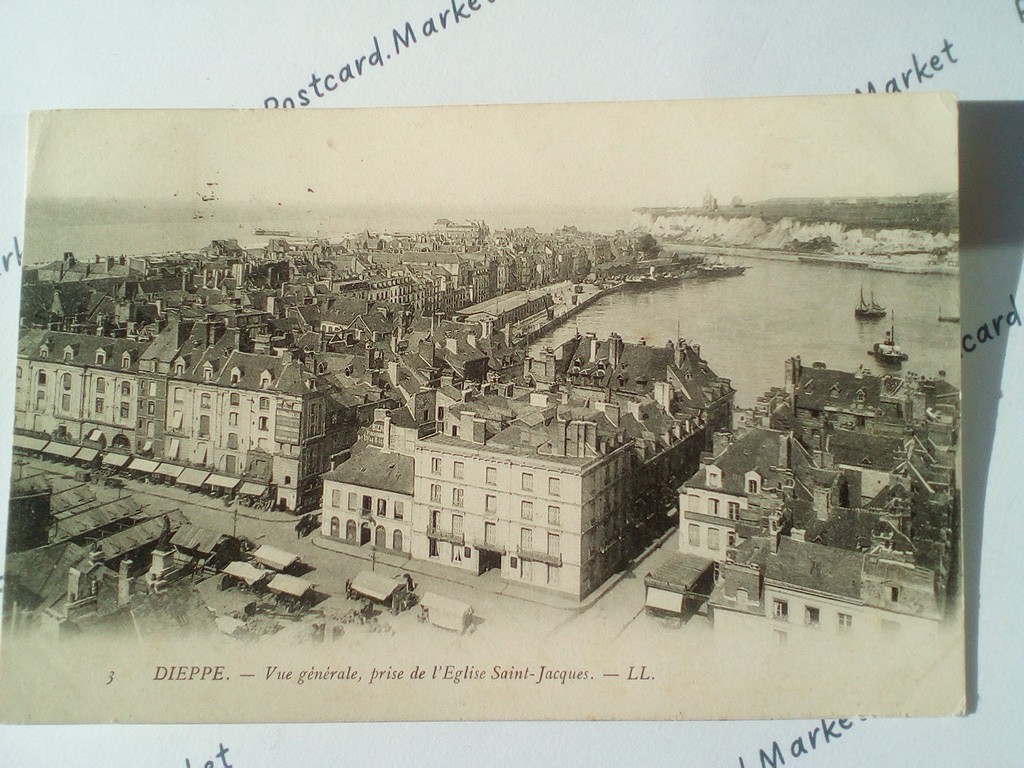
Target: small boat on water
718,269
888,352
869,311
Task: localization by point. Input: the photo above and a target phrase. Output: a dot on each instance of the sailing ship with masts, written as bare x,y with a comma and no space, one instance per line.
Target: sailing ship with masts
869,311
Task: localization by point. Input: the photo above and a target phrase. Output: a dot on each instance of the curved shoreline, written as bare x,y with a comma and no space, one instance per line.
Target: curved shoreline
877,263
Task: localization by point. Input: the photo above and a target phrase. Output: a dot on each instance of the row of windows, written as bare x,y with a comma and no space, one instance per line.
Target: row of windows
713,506
205,399
491,476
380,536
491,504
553,541
177,419
367,506
100,405
101,384
812,615
714,541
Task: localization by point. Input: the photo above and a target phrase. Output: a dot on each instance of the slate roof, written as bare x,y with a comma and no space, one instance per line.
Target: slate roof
39,577
679,569
861,449
757,450
192,537
824,388
83,348
814,566
586,362
374,468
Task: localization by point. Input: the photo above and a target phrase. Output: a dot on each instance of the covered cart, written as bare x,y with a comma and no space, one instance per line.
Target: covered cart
396,593
274,558
445,613
239,572
292,591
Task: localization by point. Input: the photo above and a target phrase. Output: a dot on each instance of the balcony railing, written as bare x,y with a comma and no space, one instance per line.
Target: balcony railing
539,557
442,535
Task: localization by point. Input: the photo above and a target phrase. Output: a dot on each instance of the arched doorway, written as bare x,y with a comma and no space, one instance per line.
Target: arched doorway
120,441
396,541
335,527
350,530
365,534
380,539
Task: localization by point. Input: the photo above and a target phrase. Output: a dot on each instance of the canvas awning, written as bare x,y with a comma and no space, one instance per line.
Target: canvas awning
61,450
275,558
199,454
221,481
435,602
168,470
95,435
193,477
115,459
143,465
247,572
26,443
86,454
173,447
664,601
252,489
289,585
374,586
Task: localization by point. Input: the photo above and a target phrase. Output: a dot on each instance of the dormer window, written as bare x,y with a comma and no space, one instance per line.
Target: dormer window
752,485
834,391
861,395
44,351
179,368
208,371
265,379
126,361
69,354
236,375
101,357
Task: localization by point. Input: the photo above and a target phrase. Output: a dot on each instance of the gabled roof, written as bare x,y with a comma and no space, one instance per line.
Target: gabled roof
758,450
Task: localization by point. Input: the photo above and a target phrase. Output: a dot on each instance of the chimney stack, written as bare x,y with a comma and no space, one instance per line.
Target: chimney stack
784,450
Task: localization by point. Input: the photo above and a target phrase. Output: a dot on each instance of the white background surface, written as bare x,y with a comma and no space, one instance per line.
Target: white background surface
234,54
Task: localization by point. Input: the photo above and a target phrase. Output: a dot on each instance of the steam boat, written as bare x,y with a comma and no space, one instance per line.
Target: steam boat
888,352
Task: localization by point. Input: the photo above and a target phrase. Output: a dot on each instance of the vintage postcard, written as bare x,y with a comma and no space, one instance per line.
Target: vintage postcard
593,411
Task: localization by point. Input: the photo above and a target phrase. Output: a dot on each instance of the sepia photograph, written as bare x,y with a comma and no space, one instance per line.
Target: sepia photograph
612,411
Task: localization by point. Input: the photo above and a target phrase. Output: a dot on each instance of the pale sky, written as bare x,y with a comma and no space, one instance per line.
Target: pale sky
613,155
